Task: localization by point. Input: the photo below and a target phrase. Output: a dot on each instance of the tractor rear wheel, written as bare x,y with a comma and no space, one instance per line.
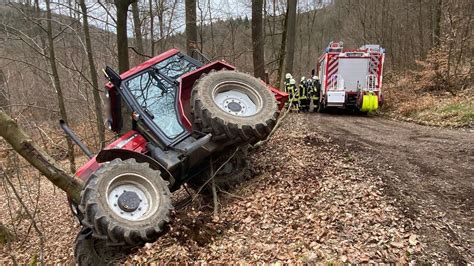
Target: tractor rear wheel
234,172
91,251
126,202
234,106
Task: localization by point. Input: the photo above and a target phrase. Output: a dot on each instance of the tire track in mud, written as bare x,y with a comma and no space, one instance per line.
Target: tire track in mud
429,171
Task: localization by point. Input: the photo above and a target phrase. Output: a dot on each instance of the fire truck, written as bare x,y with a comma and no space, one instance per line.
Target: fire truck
351,79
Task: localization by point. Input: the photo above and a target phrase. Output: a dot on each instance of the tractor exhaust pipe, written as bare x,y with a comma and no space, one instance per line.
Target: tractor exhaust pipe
74,138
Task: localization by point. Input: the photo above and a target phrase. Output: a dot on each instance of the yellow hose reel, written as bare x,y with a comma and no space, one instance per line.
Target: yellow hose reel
370,102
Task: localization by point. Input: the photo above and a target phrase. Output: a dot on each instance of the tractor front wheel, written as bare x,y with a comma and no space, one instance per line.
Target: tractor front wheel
234,107
126,202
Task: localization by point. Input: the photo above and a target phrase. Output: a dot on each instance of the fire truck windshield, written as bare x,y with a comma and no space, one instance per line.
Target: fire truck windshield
156,96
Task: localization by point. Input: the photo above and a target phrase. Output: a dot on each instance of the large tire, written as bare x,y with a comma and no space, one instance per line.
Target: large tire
232,173
234,107
126,202
90,251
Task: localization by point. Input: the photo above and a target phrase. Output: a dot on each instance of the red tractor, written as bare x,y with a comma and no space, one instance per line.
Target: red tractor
183,113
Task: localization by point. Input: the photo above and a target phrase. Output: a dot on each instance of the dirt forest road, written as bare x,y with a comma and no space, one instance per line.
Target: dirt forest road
428,171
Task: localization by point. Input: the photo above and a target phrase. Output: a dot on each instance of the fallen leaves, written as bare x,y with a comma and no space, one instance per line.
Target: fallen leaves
309,201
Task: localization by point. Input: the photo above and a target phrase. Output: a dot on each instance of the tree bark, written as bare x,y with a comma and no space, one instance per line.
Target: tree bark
291,32
437,22
93,73
57,85
138,31
122,39
282,53
258,40
122,50
51,169
191,28
4,95
152,29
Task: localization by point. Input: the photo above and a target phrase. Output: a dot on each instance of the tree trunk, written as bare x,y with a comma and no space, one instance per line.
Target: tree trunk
122,50
93,73
291,32
57,85
4,95
258,40
437,22
138,31
191,28
282,53
33,153
122,39
152,29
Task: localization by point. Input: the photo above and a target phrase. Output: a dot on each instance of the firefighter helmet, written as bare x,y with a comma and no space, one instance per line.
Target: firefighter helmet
302,79
292,81
315,78
288,76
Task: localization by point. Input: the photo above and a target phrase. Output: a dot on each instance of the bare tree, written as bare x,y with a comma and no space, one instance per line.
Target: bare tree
282,52
93,74
57,84
152,28
137,30
122,50
437,22
291,33
258,39
191,28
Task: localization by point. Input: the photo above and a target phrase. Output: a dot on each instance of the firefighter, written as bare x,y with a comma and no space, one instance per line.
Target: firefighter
288,76
286,84
315,90
303,95
293,95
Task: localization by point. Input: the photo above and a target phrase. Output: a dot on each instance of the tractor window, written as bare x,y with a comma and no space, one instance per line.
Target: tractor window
157,98
175,66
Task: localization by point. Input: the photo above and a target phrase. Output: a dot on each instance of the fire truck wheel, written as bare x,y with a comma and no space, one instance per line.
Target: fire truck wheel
93,251
126,202
234,106
235,171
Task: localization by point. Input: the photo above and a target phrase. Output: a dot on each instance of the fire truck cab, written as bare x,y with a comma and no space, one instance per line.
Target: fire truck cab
351,79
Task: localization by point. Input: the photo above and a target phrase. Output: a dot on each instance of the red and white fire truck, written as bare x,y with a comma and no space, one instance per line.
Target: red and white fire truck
351,79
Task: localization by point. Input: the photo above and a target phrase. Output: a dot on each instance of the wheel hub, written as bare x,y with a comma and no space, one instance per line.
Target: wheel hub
128,201
234,106
131,197
237,99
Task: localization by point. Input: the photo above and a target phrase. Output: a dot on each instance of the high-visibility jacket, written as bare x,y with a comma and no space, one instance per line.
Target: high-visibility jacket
316,87
293,92
312,91
286,83
303,92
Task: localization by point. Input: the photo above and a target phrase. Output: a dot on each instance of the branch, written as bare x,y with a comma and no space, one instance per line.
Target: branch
35,155
138,53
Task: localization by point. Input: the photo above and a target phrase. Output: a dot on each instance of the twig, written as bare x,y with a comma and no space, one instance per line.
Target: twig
138,53
38,231
230,194
214,191
217,171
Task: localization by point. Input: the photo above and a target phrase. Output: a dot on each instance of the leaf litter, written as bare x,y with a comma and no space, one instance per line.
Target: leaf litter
308,200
